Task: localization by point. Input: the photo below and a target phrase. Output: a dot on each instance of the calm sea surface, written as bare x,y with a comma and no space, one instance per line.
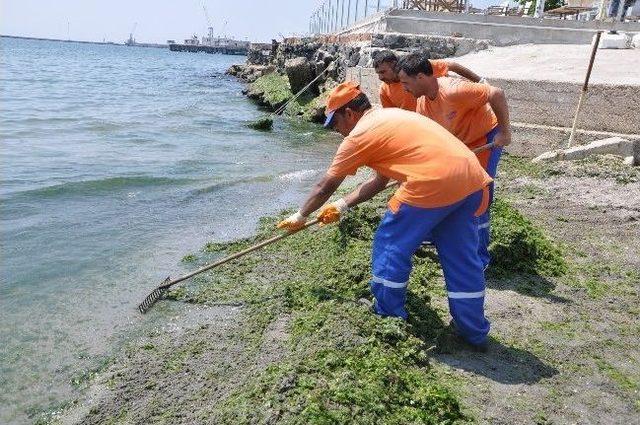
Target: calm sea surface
115,163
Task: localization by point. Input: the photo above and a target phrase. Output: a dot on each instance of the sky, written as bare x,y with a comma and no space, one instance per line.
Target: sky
161,20
157,20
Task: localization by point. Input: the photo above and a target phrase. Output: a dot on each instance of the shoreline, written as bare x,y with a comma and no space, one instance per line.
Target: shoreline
279,336
105,43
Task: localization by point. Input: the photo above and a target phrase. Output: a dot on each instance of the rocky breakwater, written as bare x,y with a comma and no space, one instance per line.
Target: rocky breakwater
275,72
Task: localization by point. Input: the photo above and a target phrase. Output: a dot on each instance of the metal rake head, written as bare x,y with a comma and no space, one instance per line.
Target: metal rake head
153,297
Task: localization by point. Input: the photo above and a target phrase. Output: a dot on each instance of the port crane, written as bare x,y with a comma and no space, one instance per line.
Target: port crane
131,41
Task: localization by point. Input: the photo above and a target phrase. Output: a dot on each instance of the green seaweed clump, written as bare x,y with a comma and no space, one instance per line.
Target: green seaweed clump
272,90
261,124
518,246
343,364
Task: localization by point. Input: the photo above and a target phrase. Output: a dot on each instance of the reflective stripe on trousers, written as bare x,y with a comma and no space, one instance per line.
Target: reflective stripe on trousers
455,235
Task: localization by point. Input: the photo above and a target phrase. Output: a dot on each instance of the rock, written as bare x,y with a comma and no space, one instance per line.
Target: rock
235,70
299,73
618,40
611,145
548,156
250,73
354,58
261,124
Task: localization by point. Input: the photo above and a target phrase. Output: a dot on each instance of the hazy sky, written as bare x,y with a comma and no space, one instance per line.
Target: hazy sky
158,20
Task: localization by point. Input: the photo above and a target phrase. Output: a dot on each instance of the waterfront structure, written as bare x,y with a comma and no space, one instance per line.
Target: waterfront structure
211,44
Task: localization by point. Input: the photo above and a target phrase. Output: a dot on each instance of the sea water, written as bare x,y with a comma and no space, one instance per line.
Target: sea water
115,163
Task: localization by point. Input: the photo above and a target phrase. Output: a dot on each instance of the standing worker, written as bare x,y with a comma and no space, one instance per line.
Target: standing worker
443,190
477,114
393,94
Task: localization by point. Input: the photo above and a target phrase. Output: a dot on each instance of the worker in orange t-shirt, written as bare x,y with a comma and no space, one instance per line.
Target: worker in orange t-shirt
443,189
477,114
393,94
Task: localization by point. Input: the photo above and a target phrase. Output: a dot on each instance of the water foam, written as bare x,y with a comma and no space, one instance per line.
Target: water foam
297,176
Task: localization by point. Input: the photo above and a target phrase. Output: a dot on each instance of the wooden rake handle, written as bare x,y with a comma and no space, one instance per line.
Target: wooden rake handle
483,147
238,254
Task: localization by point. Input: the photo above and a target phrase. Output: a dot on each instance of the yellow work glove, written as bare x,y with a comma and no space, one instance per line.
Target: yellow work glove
331,213
294,222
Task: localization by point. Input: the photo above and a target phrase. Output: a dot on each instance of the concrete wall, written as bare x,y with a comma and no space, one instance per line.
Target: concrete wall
614,108
500,30
543,110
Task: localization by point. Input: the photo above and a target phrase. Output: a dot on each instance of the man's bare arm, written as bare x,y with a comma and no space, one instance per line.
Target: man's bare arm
498,102
367,190
321,192
463,71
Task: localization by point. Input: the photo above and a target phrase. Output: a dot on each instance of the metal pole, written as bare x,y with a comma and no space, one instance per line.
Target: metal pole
378,7
335,16
366,6
355,18
324,18
348,12
585,86
602,10
619,17
331,15
327,17
342,16
539,13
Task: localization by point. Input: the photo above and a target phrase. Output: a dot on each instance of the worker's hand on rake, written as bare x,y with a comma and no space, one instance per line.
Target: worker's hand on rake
331,213
503,138
294,222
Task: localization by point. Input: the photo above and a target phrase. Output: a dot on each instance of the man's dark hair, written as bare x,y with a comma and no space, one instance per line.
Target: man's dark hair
414,64
359,104
384,56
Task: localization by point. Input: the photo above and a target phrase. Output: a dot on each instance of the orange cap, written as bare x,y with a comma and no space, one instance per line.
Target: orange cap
340,96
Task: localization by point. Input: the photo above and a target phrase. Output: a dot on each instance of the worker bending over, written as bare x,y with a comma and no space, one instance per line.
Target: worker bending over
477,114
442,192
393,94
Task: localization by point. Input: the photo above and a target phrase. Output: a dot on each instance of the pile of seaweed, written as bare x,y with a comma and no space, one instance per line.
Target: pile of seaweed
343,363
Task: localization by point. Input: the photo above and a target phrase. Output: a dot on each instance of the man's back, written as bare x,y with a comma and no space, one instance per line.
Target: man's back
435,167
462,108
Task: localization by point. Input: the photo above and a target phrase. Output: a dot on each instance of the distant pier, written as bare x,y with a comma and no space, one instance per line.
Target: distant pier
197,48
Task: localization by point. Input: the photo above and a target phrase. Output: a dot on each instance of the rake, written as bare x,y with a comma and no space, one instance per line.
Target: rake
157,293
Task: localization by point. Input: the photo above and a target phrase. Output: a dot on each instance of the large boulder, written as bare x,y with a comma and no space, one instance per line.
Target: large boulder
300,72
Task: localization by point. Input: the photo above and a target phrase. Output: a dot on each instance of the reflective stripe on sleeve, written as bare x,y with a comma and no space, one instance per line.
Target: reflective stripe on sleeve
483,225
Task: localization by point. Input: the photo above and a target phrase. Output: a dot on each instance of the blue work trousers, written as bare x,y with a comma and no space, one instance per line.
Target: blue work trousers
454,230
